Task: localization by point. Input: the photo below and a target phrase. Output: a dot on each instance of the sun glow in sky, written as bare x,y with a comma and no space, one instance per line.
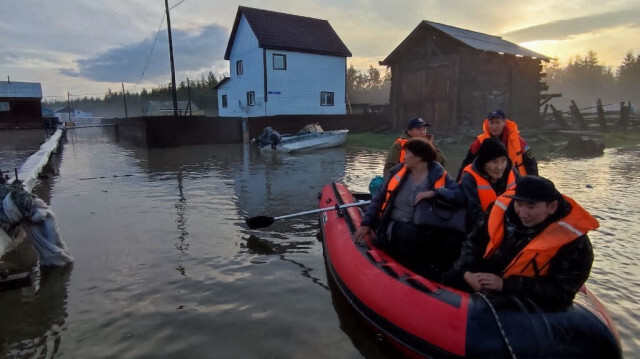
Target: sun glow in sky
85,47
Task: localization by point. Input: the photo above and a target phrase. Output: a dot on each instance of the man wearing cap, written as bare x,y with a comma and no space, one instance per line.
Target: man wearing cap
498,125
534,244
416,128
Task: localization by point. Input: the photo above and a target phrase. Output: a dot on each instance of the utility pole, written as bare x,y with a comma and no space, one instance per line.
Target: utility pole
189,96
68,106
124,97
173,72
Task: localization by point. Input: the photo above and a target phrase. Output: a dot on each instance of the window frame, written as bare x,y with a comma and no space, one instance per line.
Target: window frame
325,96
239,68
284,62
5,106
224,101
251,98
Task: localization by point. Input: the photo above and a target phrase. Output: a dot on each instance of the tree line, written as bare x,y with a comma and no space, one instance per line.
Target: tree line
199,91
369,87
362,87
584,79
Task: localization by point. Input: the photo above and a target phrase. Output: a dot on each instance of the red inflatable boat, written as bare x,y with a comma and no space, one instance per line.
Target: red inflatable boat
423,318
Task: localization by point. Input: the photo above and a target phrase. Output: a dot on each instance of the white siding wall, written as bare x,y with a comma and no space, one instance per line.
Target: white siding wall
295,91
299,86
245,48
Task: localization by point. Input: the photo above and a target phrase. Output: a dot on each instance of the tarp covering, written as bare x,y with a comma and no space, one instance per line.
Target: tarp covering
20,208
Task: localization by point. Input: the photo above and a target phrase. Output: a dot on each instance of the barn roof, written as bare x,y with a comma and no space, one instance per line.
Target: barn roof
473,39
12,89
280,31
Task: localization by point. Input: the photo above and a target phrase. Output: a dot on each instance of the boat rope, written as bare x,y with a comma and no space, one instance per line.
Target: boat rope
495,316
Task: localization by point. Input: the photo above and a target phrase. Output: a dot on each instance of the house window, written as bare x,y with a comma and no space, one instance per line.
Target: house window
326,98
4,106
279,62
224,101
239,67
251,98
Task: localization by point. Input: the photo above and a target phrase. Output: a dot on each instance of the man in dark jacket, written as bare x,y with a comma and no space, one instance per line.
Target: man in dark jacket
534,244
499,126
416,128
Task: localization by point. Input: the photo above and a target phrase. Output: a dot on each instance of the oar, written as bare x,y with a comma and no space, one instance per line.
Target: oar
266,221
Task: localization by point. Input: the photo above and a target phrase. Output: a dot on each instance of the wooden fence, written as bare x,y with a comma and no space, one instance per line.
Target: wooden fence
615,117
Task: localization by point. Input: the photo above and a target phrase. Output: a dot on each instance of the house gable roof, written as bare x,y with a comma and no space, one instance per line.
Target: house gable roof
9,89
473,39
222,82
280,31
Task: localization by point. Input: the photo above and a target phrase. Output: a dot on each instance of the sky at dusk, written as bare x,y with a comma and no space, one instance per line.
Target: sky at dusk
85,47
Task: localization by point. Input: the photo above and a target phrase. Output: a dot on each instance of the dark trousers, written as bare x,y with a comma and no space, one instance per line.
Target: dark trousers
427,251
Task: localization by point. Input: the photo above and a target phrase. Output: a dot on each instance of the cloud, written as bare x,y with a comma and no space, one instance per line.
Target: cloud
193,50
568,28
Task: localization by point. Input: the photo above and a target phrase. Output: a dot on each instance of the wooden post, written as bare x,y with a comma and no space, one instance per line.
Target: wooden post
173,71
68,106
624,117
577,116
557,116
601,117
124,98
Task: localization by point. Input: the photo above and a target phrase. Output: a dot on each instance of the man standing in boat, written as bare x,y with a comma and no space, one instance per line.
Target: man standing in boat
498,125
416,128
534,244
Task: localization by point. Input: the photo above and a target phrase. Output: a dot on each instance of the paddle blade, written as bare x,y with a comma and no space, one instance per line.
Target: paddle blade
259,222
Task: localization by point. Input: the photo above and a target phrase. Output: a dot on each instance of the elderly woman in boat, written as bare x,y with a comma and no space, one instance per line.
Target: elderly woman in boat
392,218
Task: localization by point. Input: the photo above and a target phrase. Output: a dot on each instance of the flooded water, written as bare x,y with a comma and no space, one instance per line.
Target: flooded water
166,267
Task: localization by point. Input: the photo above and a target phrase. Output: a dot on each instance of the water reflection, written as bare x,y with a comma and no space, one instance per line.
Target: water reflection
264,247
364,337
33,318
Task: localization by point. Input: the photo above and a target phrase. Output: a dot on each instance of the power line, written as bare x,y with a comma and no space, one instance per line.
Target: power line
154,45
171,8
151,52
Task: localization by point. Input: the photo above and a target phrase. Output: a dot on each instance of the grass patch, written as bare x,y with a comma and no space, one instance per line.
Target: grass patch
545,146
377,141
622,139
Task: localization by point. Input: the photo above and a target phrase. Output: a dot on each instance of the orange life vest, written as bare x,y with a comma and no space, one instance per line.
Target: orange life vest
395,181
401,141
533,260
514,148
486,193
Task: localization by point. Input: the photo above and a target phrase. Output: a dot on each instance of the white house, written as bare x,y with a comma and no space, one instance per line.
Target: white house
282,64
78,117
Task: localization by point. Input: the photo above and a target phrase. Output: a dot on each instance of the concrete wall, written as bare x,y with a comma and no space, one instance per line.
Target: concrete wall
167,131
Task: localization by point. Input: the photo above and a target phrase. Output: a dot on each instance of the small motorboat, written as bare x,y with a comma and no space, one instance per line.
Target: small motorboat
311,137
425,319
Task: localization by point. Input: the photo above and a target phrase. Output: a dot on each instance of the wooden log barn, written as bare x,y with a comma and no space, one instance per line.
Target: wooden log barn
20,104
453,77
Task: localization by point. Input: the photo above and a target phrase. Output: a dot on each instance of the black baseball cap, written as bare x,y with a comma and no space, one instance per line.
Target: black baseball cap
496,113
532,189
416,122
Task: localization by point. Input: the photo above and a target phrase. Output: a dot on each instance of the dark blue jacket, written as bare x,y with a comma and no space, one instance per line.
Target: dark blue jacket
452,192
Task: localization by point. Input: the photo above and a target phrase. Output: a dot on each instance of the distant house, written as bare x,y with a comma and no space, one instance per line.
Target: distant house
282,64
165,108
20,104
453,77
69,114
